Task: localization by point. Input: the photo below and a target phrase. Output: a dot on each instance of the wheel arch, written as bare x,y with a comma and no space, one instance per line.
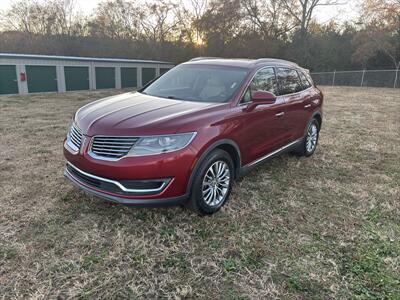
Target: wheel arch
318,116
227,145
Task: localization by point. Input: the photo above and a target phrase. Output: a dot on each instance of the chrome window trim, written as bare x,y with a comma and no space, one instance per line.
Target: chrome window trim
118,184
258,160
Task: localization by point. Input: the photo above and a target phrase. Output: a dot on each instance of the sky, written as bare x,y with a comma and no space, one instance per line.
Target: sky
323,14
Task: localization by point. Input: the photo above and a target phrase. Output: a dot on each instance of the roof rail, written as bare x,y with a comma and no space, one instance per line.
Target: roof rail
276,60
203,57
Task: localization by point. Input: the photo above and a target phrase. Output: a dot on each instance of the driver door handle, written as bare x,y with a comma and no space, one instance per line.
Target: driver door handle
280,114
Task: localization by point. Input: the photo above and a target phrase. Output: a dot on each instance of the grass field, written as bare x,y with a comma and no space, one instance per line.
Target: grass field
321,227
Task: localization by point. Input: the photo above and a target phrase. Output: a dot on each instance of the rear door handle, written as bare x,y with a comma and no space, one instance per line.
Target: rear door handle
280,114
307,106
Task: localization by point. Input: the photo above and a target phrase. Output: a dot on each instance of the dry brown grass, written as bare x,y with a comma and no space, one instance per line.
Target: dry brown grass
323,227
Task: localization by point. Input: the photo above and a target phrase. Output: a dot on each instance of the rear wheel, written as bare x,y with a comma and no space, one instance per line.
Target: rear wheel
213,183
310,140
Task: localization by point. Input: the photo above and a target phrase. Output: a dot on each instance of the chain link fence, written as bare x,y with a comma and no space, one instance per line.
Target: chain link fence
368,78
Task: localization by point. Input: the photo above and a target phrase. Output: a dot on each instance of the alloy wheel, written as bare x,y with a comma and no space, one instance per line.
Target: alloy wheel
216,183
312,136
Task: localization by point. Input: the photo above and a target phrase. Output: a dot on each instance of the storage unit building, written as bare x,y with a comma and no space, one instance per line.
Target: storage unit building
105,78
148,74
164,70
41,79
76,78
129,77
23,74
8,80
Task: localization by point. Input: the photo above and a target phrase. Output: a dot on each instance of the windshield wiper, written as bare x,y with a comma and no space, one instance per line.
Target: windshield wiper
173,97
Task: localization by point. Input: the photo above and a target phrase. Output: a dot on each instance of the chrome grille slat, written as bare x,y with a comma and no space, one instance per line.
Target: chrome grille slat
108,150
76,142
75,130
115,139
75,136
114,143
110,147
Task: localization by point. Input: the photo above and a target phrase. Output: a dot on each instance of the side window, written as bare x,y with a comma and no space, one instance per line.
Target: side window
304,80
307,74
264,80
289,81
247,96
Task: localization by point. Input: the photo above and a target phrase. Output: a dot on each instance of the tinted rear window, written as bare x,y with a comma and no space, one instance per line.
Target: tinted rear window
306,83
289,81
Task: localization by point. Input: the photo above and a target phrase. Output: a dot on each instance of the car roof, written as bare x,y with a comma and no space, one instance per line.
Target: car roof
243,62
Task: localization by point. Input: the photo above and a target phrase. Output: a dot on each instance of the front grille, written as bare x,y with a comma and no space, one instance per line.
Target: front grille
75,136
112,147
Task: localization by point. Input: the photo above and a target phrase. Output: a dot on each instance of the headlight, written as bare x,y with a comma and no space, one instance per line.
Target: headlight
161,144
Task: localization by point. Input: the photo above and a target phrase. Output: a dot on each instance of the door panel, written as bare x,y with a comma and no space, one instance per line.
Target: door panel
41,79
296,114
260,131
262,128
8,80
296,101
76,78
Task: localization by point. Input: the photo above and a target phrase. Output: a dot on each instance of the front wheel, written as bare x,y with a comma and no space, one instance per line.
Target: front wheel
213,183
310,140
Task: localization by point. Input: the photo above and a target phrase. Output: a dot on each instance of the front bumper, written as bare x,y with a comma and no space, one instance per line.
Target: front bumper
151,180
90,189
123,187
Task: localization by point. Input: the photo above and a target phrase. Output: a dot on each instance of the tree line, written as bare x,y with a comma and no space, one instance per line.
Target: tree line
177,30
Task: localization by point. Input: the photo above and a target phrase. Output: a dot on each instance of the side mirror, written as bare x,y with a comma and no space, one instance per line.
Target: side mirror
263,97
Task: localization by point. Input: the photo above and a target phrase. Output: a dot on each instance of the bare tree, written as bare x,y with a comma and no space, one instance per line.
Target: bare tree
24,16
303,10
380,32
49,17
159,22
269,17
65,16
176,30
199,9
117,19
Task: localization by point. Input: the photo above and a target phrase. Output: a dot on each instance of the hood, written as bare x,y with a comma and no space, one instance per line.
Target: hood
137,114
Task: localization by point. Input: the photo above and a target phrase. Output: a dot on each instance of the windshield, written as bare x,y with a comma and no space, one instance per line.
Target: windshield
198,83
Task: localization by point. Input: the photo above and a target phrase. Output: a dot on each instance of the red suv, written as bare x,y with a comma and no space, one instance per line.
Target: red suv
186,136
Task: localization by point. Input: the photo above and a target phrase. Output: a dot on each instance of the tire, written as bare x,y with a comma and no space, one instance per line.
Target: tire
210,193
310,139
